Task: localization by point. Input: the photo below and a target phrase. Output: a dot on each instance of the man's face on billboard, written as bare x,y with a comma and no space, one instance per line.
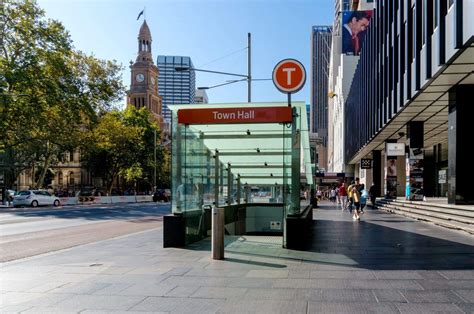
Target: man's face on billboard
359,25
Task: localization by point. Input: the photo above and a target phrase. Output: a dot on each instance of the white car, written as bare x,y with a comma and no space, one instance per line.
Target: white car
35,198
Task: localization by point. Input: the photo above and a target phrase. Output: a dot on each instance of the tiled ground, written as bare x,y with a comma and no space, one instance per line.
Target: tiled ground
382,264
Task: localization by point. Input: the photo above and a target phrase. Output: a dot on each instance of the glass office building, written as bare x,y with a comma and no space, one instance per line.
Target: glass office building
413,86
175,87
320,55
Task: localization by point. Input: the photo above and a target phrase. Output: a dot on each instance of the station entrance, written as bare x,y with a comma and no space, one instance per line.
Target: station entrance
246,158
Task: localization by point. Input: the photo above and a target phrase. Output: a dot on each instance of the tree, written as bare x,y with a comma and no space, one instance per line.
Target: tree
121,144
50,93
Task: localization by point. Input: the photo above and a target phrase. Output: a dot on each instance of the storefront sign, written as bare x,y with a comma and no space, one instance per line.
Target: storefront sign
235,115
442,176
395,149
366,163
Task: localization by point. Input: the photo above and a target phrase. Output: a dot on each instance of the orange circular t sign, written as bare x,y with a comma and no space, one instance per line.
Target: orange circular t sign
289,76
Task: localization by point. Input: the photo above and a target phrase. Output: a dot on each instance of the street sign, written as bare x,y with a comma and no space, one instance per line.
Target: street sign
235,115
289,76
366,163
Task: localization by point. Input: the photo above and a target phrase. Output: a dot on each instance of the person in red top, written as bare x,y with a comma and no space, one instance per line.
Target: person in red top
343,195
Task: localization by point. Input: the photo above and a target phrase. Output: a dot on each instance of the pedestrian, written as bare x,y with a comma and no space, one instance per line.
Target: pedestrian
350,192
343,195
364,195
319,194
372,194
356,202
333,195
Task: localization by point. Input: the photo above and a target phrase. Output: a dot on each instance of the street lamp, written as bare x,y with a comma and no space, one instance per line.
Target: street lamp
247,77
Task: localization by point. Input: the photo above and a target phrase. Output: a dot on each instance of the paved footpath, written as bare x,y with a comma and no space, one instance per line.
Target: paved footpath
383,264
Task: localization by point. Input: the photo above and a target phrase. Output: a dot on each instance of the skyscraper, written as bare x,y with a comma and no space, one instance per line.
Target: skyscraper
176,87
320,56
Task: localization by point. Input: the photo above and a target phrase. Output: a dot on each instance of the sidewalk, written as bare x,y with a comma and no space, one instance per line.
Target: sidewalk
383,264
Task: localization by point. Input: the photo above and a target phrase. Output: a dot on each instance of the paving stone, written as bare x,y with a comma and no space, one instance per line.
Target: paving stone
217,273
446,284
181,292
466,307
196,281
178,305
348,295
14,308
49,310
353,308
431,296
273,294
389,296
80,288
458,274
147,289
342,274
218,293
113,289
249,282
96,302
397,274
428,308
263,306
467,295
267,274
30,299
121,312
298,274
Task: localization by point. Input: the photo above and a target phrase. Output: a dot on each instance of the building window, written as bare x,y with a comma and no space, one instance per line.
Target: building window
71,178
60,178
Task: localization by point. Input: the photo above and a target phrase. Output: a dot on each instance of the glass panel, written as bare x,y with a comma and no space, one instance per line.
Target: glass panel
263,156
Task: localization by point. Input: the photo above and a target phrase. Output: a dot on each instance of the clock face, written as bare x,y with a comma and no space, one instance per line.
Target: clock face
152,80
140,77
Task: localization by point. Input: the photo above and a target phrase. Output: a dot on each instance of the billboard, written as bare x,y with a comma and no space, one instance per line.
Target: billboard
354,28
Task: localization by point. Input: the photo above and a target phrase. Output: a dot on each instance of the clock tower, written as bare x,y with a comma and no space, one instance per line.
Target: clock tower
144,81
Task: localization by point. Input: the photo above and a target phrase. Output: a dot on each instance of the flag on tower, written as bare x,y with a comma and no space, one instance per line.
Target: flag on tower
140,14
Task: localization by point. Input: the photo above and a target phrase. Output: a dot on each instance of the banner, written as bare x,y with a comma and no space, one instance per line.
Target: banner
354,28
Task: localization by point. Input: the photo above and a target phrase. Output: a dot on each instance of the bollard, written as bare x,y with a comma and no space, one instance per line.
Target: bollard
217,233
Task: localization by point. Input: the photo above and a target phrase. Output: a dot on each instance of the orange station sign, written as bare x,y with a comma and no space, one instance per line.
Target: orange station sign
235,115
289,76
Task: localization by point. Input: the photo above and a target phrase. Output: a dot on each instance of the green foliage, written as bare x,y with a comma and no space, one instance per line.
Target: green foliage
49,93
122,143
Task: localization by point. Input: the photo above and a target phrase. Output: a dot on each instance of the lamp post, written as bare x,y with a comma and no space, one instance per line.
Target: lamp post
247,77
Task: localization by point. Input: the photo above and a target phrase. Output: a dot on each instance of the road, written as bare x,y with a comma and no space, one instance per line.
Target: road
29,232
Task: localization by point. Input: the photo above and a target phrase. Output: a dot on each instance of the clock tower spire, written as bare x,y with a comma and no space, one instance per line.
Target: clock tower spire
144,77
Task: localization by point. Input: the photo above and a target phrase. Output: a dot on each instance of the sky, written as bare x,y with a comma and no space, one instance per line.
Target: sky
212,32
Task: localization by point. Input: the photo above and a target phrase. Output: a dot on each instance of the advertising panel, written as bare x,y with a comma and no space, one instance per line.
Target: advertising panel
354,29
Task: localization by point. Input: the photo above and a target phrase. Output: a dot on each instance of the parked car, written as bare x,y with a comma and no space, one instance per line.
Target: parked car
160,196
35,198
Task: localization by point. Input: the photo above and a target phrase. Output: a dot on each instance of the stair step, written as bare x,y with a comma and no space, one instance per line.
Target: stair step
437,214
441,222
466,210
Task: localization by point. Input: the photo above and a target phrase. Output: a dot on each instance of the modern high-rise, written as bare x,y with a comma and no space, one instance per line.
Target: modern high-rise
321,37
175,87
407,102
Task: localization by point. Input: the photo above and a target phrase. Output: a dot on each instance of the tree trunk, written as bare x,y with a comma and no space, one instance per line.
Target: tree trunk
46,163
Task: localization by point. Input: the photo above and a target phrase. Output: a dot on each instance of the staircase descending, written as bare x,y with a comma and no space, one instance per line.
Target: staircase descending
446,215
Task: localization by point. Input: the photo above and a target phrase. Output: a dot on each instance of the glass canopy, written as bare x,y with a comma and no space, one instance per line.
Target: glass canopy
226,161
